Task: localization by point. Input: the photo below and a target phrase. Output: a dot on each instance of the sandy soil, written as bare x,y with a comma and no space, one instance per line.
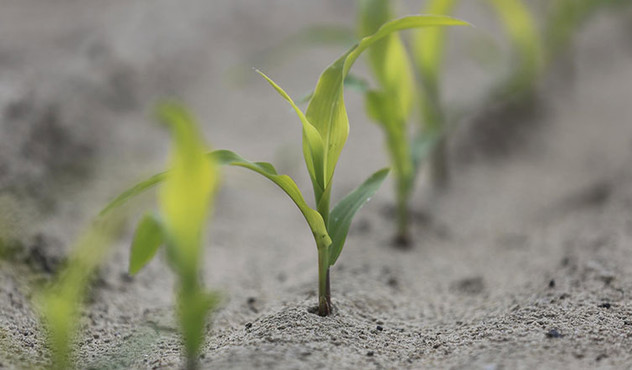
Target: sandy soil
525,263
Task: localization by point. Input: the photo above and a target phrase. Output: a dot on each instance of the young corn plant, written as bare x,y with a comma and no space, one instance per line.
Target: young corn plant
390,105
184,198
428,51
325,127
59,304
325,130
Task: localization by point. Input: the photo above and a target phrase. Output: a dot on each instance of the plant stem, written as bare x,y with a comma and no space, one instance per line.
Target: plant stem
402,239
324,293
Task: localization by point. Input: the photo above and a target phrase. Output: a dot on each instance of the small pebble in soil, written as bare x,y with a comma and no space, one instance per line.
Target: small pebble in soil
248,325
605,305
379,328
392,282
554,333
370,353
552,283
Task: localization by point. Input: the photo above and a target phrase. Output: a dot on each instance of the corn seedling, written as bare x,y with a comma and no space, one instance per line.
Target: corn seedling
325,129
184,200
391,104
60,303
428,50
565,17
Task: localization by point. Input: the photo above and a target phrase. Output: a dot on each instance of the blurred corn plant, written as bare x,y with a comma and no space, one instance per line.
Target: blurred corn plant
391,105
184,199
60,303
565,17
325,129
428,51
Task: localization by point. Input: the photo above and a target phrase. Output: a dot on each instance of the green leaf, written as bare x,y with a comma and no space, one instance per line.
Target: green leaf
389,62
343,212
132,192
147,239
352,82
184,200
185,196
313,149
428,50
59,305
429,44
326,110
313,218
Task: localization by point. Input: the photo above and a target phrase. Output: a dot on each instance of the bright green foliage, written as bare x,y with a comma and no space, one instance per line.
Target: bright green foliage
325,130
185,198
428,47
343,212
147,239
60,304
313,218
184,201
390,106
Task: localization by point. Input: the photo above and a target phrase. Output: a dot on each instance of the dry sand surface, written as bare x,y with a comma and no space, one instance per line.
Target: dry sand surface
525,263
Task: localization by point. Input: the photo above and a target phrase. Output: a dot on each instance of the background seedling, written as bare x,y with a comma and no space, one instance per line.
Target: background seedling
59,304
184,199
391,104
429,46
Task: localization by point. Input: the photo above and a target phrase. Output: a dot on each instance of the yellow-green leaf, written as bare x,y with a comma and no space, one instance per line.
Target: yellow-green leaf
326,110
343,212
313,218
186,193
389,61
132,192
429,44
522,29
147,239
313,149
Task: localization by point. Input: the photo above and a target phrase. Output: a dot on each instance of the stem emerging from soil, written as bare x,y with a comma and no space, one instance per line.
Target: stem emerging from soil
324,293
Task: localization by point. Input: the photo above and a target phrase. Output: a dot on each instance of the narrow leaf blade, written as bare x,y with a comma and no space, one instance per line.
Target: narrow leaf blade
147,239
313,218
186,195
326,110
135,190
313,149
342,215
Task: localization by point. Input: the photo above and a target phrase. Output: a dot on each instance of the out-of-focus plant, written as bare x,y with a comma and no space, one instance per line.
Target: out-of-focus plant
184,199
522,28
391,104
60,303
325,130
428,50
564,18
